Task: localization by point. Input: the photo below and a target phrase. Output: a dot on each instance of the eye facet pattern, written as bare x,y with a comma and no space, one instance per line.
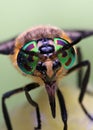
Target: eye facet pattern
27,62
67,57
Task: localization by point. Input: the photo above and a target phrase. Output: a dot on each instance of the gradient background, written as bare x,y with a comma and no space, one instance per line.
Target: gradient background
19,15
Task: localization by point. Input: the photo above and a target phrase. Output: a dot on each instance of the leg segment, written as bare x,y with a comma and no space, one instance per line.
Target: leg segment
84,83
62,108
4,108
9,94
33,103
80,71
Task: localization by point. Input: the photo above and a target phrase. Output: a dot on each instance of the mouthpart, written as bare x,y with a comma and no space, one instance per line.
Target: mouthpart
51,90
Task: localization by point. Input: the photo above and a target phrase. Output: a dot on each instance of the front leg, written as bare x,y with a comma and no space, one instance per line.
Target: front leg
10,94
33,103
80,71
62,108
84,83
4,107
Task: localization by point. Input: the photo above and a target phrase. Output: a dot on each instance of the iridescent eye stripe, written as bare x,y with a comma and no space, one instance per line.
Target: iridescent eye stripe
60,42
68,62
30,47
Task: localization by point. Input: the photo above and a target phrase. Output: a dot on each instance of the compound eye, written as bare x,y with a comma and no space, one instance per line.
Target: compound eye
26,61
67,57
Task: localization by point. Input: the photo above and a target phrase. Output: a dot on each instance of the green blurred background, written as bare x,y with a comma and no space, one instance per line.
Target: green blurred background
19,15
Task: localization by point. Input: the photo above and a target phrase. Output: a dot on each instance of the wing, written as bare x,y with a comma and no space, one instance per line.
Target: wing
76,34
7,47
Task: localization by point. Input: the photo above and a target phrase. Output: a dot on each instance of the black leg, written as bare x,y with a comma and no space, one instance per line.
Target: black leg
33,103
9,94
4,108
62,108
84,83
80,71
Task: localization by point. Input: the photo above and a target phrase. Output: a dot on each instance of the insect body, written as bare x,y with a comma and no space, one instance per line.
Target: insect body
46,52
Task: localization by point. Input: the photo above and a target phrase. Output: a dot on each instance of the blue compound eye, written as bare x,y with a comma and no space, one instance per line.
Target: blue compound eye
67,57
27,62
